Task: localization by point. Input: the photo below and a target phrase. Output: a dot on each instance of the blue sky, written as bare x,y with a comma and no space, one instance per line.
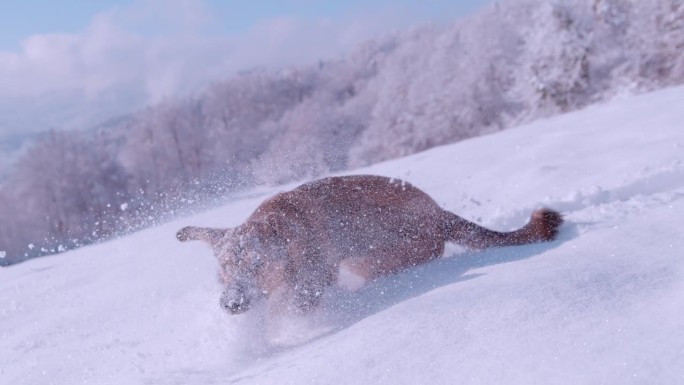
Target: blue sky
21,19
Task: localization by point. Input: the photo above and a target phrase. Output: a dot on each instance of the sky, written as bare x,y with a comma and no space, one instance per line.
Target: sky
69,63
21,20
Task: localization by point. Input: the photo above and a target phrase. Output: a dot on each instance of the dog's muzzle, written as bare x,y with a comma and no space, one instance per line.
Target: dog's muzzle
234,301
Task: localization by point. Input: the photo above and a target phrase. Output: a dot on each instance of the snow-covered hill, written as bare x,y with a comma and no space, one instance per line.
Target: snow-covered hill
602,305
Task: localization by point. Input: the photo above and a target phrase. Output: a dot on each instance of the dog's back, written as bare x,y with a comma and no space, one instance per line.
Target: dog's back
381,224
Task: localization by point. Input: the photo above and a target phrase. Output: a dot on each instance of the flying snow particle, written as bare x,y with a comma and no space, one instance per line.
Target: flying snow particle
124,206
3,254
30,246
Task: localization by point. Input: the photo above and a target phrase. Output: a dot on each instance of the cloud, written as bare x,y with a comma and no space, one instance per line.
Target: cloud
112,51
152,50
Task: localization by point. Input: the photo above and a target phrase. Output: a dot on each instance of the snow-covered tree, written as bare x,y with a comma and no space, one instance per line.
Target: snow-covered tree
661,36
64,188
554,67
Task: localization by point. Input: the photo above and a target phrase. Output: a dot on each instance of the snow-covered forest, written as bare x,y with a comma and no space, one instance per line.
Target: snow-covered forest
395,95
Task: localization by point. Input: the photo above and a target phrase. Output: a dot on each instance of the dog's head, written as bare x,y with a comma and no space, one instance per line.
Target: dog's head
242,255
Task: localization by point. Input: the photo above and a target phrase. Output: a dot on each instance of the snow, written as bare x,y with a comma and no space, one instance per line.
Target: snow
602,305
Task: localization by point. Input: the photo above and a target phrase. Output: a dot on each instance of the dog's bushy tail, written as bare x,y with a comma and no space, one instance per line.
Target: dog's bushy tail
543,226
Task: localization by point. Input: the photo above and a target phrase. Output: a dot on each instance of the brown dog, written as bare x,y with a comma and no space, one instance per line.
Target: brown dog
295,243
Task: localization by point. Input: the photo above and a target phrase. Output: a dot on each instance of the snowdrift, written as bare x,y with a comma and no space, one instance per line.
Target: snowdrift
603,304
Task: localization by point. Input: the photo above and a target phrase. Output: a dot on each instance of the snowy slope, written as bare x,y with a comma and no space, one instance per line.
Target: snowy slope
602,305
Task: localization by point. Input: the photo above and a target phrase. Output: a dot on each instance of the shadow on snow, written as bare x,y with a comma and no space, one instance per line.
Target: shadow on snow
348,308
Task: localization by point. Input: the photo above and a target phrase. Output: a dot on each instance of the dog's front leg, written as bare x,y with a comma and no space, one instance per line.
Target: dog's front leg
307,274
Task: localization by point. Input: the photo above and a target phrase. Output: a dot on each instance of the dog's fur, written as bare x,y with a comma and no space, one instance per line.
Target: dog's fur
295,243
